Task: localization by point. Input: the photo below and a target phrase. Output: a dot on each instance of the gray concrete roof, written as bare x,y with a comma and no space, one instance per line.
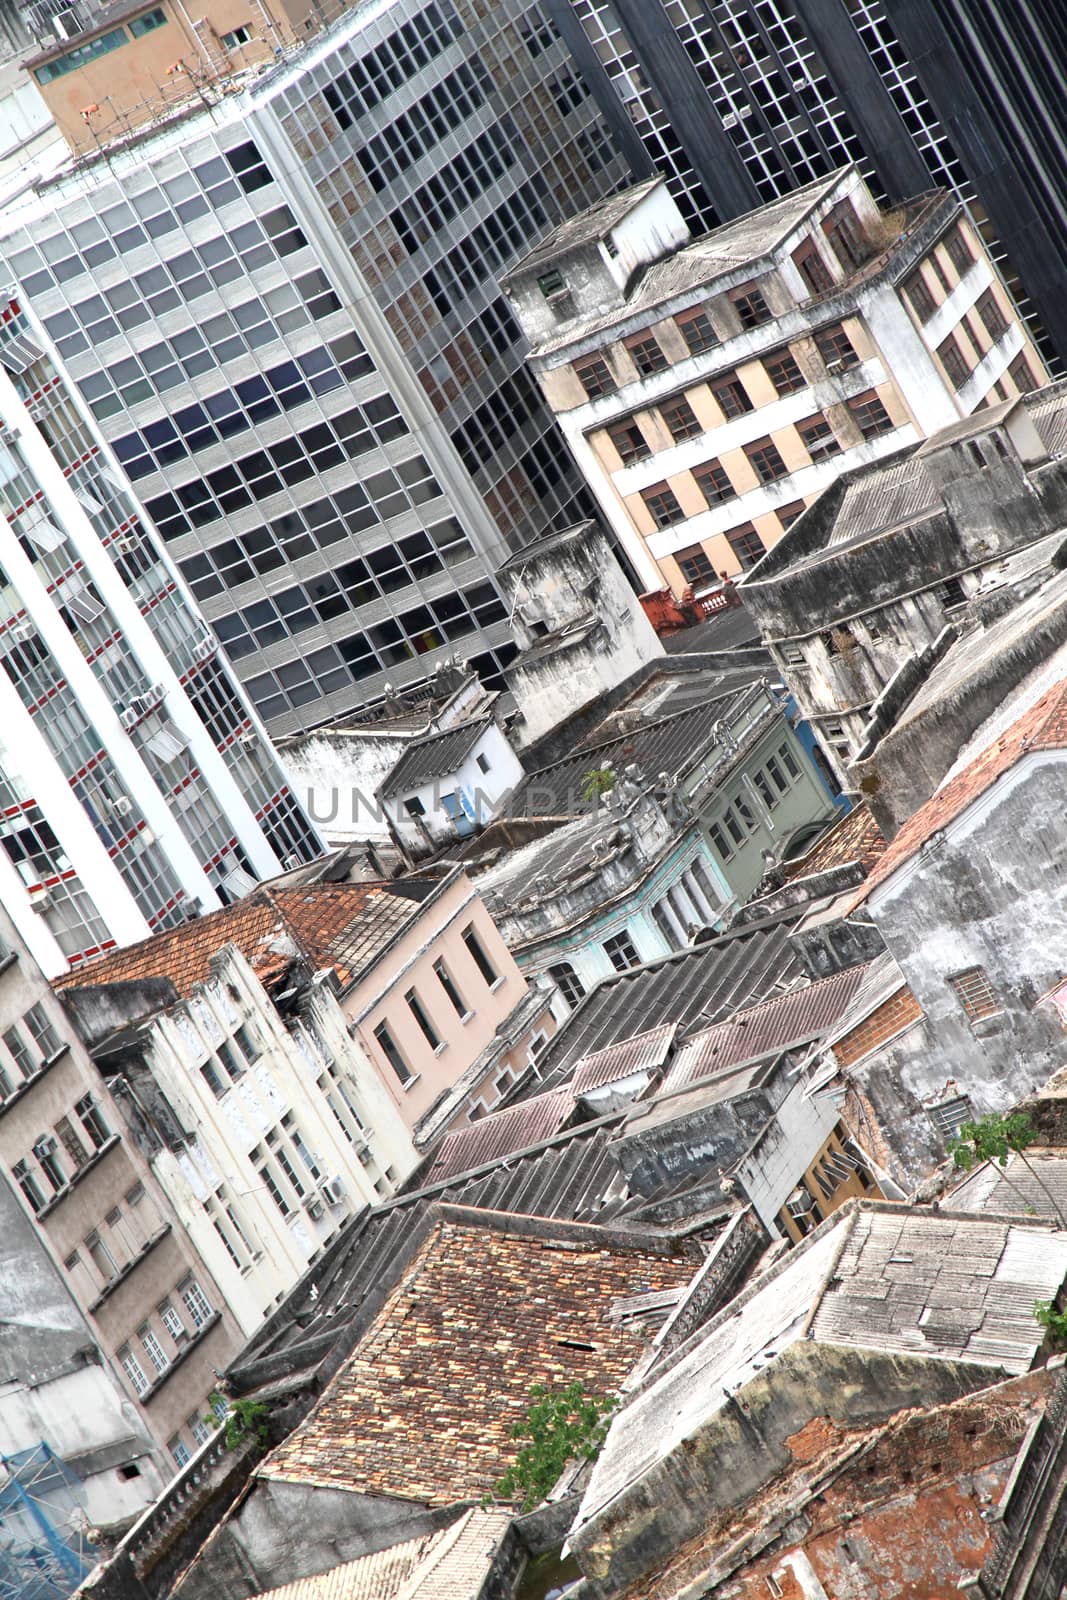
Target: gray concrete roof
591,224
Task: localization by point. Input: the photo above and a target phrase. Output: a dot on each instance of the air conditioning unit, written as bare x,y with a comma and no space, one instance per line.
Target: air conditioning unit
314,1208
291,862
129,716
248,736
123,806
334,1190
835,366
44,1148
144,703
800,1203
127,543
22,630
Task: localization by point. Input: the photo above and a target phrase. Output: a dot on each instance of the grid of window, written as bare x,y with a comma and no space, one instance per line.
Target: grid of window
681,420
196,1302
819,438
976,994
992,317
784,373
621,952
594,376
695,565
836,349
413,133
752,309
696,329
629,441
661,502
567,982
746,545
391,64
920,296
393,1054
714,483
765,459
647,355
731,395
959,250
870,415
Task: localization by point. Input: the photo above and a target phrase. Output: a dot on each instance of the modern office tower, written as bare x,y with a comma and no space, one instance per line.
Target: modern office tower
283,313
135,784
738,101
712,388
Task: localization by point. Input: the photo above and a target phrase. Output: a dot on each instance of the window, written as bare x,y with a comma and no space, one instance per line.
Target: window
482,762
44,1035
172,1322
148,23
418,1011
682,421
621,952
949,1116
787,515
196,1303
870,415
155,1352
448,984
1021,375
200,1430
662,505
567,982
836,348
750,305
646,354
812,268
47,1153
819,438
92,1120
628,440
235,38
696,565
213,1078
551,283
180,1452
746,545
993,319
133,1370
17,1047
766,461
976,994
100,1256
843,230
594,377
954,361
776,775
479,956
919,296
723,847
392,1053
26,1179
414,807
959,252
714,484
784,372
696,329
953,593
730,393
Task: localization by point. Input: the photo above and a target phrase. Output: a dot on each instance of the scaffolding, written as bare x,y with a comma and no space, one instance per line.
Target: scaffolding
44,1550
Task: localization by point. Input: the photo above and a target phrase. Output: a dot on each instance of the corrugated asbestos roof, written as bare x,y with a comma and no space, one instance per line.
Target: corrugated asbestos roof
886,497
437,755
451,1564
1043,727
501,1133
339,925
423,1408
779,1024
645,1052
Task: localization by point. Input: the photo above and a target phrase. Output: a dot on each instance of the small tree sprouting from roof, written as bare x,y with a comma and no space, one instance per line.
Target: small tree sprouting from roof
995,1138
597,782
562,1426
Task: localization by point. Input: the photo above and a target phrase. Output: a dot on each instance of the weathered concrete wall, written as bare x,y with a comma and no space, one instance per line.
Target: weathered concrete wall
697,1141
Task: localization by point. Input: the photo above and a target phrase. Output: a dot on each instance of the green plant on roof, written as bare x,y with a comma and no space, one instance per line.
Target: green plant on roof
559,1427
242,1419
597,782
1054,1322
996,1138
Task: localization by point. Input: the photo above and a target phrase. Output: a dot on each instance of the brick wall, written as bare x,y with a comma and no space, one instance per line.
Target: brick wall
886,1020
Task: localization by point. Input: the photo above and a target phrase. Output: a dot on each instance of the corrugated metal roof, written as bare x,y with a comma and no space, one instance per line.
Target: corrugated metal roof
437,755
884,498
779,1024
1034,1187
501,1133
645,1052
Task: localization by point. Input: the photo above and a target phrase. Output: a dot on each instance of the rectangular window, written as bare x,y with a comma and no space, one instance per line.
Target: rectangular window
172,1322
418,1011
448,984
812,268
180,1452
954,361
959,252
784,373
696,329
133,1370
18,1048
26,1179
730,393
196,1303
723,847
155,1352
662,504
628,440
870,415
92,1120
44,1035
789,760
787,515
696,565
621,952
147,23
213,1078
100,1256
551,283
567,982
920,297
976,994
594,377
949,1116
681,420
746,545
1021,375
843,230
819,438
47,1153
766,461
751,307
714,484
646,354
479,956
992,317
836,348
392,1053
776,775
235,38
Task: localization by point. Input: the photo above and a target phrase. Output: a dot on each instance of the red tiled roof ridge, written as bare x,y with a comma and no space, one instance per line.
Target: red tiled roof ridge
1042,727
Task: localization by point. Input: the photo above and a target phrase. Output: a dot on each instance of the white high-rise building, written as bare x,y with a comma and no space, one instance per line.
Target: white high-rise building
136,785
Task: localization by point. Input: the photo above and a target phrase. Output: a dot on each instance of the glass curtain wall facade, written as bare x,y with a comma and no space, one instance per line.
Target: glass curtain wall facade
135,785
797,88
284,317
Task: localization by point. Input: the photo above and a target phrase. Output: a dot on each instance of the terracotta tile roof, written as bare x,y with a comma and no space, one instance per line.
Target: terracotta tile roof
787,1021
1043,727
451,1564
501,1134
341,925
489,1306
857,837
